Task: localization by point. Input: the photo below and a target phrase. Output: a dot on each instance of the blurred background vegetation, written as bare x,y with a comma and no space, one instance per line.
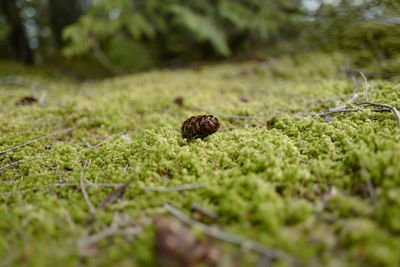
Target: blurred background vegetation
99,38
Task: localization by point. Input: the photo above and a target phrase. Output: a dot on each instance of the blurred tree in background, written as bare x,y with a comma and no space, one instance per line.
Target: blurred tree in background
17,37
139,34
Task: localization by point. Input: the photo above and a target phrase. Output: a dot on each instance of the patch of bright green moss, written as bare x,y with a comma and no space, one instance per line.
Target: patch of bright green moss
325,192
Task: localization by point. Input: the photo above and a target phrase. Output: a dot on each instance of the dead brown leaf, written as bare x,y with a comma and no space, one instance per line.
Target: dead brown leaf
27,100
179,101
177,246
245,98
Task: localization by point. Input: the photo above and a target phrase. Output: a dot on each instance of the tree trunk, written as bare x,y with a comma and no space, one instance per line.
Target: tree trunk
18,43
62,14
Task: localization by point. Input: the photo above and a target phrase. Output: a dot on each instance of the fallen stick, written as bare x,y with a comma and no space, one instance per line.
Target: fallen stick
92,209
174,188
146,188
10,193
227,237
108,185
344,110
200,209
119,226
366,85
10,164
392,108
38,139
106,140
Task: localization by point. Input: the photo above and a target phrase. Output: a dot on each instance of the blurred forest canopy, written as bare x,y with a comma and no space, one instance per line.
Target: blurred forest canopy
139,34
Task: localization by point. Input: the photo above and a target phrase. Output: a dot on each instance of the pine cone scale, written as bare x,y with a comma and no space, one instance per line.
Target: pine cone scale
199,126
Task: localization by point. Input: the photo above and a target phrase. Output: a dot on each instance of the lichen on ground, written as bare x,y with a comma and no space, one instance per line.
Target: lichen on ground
324,190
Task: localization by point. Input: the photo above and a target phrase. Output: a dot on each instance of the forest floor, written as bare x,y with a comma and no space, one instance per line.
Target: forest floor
97,173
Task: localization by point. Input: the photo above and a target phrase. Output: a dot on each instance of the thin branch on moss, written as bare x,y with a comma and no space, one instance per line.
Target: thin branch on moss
343,110
92,209
392,108
9,165
15,192
121,225
203,211
174,188
39,139
146,188
87,185
126,169
227,237
381,110
355,95
86,243
366,85
105,140
112,185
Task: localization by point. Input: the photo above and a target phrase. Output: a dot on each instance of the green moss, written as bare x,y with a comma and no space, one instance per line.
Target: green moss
325,192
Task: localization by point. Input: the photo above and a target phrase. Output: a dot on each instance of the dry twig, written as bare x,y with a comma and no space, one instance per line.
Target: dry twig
38,139
9,164
200,209
87,185
10,193
385,106
366,86
227,237
121,225
105,140
105,185
174,188
146,188
242,117
343,110
92,209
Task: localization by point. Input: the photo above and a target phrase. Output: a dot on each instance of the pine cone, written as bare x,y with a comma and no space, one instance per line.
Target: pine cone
199,126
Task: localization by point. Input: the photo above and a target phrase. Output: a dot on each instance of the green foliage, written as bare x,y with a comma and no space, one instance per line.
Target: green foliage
121,50
224,24
202,26
4,31
175,32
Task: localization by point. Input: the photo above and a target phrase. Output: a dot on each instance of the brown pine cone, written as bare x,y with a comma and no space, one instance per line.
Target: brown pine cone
199,126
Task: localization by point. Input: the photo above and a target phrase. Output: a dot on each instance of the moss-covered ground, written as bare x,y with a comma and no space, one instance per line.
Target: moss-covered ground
324,190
